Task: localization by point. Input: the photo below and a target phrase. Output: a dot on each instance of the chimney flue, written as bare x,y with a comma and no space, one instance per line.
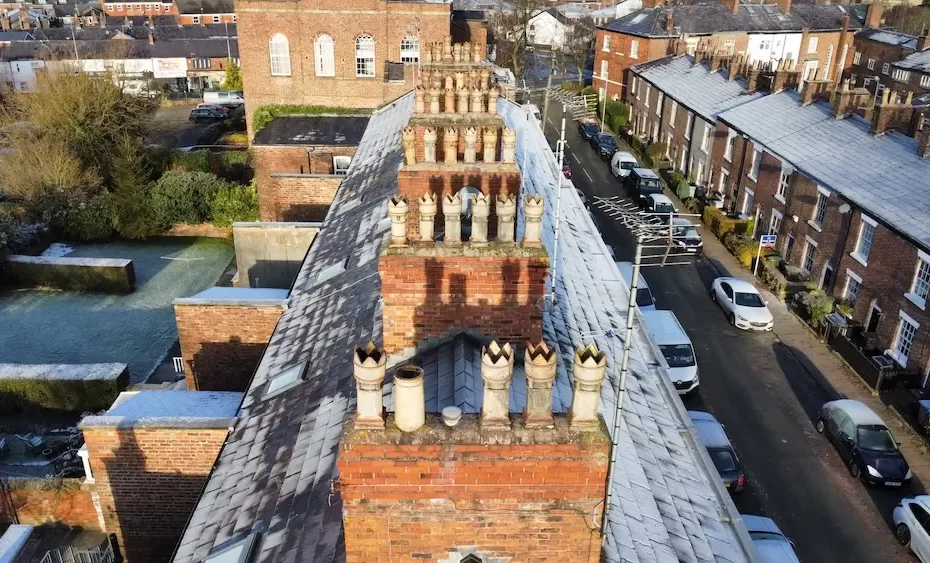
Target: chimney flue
397,211
429,144
873,15
539,364
533,212
409,139
589,370
480,211
506,208
923,140
450,145
490,144
785,5
452,211
426,207
923,42
496,372
409,399
368,364
509,144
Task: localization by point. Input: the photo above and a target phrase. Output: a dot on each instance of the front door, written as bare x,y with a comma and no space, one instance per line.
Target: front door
827,283
789,246
875,315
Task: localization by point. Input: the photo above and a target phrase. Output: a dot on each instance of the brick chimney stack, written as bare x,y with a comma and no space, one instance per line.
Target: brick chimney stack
923,140
752,78
653,3
24,19
785,5
669,20
873,15
732,5
923,42
891,112
843,103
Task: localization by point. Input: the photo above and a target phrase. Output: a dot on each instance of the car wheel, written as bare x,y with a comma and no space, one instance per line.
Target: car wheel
903,534
819,426
854,469
713,295
733,319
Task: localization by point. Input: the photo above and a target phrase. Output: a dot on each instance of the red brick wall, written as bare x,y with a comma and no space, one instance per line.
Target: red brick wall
413,503
426,296
60,502
619,60
296,198
188,19
222,345
149,480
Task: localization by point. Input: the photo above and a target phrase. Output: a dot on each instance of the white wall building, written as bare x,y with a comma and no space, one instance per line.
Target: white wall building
771,47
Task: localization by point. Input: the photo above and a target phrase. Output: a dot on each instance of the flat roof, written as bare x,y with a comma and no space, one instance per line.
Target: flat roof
168,408
325,130
254,296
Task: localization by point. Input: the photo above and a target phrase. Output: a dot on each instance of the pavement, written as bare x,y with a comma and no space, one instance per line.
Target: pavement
766,388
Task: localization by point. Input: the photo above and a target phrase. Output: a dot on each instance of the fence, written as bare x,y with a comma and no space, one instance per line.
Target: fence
851,347
102,553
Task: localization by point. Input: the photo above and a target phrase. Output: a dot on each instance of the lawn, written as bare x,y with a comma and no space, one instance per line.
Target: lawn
38,327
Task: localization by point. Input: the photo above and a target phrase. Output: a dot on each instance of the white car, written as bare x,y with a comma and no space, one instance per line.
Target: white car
911,520
771,545
744,306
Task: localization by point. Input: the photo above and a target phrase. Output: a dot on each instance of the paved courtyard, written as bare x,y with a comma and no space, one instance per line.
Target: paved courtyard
136,329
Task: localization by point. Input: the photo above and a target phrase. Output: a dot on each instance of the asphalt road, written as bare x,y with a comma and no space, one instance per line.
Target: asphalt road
173,129
759,389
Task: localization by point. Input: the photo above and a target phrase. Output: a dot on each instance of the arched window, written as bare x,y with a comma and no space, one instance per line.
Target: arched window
279,49
410,50
365,56
323,53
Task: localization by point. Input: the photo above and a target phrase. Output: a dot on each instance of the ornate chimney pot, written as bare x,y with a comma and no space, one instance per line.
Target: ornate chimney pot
368,368
429,144
459,80
539,364
476,55
428,55
480,211
457,52
409,398
506,207
477,101
426,207
485,78
463,100
490,144
588,372
496,372
449,82
450,101
410,145
397,211
434,100
509,143
450,145
452,211
493,93
471,144
466,52
420,100
447,49
533,211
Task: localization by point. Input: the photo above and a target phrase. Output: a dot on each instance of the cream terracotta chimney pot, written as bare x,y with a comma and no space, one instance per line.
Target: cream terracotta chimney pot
496,372
457,53
480,211
466,52
485,78
368,364
420,100
459,80
509,144
429,144
506,207
426,207
471,144
588,373
463,100
428,55
409,398
449,103
434,100
533,211
493,93
452,211
477,101
539,363
410,145
476,55
397,211
490,144
450,145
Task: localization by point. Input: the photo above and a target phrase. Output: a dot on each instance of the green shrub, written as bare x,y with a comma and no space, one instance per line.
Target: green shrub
587,91
744,226
71,274
844,307
265,114
65,394
573,87
711,216
773,279
817,305
190,161
183,197
743,247
234,203
694,205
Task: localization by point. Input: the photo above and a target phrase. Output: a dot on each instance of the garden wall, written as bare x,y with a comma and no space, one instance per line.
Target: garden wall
64,502
98,275
64,387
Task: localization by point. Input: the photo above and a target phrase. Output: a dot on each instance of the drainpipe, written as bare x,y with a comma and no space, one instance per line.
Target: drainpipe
840,246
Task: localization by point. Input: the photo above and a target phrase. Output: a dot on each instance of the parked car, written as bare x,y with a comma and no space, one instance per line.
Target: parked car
676,348
621,163
741,301
604,144
771,544
644,298
588,129
215,107
226,98
864,443
686,236
641,182
911,520
714,438
206,114
660,203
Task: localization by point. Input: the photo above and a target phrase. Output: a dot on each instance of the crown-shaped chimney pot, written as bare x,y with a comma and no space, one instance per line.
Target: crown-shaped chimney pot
368,368
397,211
409,139
426,207
496,372
589,371
452,211
539,364
480,211
471,144
490,144
493,93
509,143
506,207
533,212
429,144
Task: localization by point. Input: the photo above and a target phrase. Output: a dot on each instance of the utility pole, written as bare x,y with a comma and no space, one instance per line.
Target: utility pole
558,204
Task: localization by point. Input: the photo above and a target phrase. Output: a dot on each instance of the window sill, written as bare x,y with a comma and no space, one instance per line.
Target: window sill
728,158
753,178
815,226
780,199
859,258
917,300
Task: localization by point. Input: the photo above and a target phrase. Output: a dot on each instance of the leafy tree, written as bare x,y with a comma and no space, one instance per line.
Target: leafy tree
511,29
233,203
183,197
579,40
132,171
233,78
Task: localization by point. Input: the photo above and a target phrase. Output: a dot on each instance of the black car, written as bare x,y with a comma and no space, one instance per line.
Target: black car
640,183
712,435
206,114
588,129
604,144
863,441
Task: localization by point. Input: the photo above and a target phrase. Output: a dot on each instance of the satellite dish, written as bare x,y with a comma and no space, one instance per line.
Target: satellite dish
844,209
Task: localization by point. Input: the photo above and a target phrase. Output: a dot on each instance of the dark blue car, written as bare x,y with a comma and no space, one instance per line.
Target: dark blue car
588,129
864,442
604,144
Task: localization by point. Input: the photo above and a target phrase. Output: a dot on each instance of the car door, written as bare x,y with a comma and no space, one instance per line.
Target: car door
845,436
920,533
726,297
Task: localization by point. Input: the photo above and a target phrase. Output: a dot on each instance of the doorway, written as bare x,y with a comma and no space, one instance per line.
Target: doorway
789,246
875,315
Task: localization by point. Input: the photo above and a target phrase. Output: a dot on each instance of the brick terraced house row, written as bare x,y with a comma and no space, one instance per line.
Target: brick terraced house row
847,199
816,37
185,12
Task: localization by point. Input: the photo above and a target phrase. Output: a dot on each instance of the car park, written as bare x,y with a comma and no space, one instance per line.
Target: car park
911,525
604,144
864,443
771,544
588,129
720,450
640,183
742,303
675,347
206,114
621,163
644,298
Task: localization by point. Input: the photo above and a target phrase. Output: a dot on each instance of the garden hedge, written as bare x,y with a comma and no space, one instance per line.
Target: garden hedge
61,387
96,275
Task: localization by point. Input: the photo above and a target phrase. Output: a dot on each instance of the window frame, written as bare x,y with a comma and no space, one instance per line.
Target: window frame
899,355
865,224
885,68
857,57
749,201
854,277
925,80
731,144
605,45
672,113
784,186
819,213
195,19
320,59
810,255
339,170
634,49
660,99
812,44
362,43
279,41
411,45
775,226
755,164
871,64
913,295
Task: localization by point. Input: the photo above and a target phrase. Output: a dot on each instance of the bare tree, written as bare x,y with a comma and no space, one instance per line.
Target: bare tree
579,40
511,28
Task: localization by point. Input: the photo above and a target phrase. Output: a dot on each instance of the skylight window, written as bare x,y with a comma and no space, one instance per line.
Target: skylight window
237,551
332,271
638,18
284,380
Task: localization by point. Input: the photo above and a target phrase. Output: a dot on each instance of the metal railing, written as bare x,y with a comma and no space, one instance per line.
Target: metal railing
102,553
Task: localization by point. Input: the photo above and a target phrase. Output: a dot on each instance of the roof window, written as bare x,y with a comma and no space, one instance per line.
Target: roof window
236,550
280,382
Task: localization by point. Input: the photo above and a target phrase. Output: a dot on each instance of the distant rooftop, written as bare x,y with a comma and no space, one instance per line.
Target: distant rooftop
198,7
243,295
705,19
881,174
889,37
695,86
329,130
919,62
170,408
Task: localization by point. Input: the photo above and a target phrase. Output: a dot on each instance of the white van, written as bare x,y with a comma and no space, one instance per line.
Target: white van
644,299
228,98
676,347
621,164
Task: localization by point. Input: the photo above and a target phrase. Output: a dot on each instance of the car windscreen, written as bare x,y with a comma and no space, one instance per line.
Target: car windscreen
686,233
627,165
749,300
770,536
644,297
678,355
650,184
723,460
607,140
876,438
664,208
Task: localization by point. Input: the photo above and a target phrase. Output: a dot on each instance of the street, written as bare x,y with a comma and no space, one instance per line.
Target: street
761,391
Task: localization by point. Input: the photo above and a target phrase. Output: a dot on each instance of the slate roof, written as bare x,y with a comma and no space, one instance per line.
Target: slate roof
888,37
705,19
919,62
883,175
137,49
695,86
197,7
277,465
341,130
